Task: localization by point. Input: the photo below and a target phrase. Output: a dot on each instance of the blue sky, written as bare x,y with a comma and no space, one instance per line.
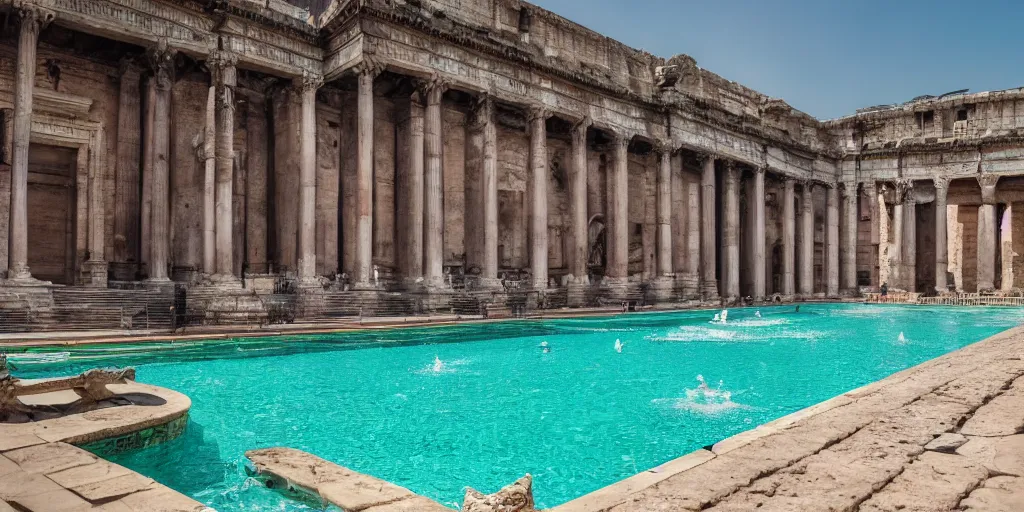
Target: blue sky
826,57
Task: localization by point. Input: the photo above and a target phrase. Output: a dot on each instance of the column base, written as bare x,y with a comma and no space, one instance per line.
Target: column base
94,274
663,288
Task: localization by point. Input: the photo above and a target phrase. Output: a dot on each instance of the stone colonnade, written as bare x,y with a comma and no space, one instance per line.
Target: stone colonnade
710,234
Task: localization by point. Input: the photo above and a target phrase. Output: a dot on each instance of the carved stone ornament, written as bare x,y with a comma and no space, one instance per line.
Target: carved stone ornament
517,497
33,17
310,81
161,61
535,112
370,67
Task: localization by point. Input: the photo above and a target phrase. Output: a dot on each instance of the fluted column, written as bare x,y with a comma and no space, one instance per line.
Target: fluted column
909,271
805,262
224,79
693,231
126,209
33,19
490,190
941,231
433,225
848,259
307,86
788,237
412,267
162,61
664,212
987,227
708,226
578,200
731,231
832,241
207,154
539,197
617,234
759,235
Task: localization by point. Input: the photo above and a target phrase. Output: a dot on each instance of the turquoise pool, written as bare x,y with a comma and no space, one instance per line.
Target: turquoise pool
578,416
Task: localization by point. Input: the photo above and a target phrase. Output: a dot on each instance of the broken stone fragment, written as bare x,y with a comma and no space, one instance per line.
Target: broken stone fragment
946,443
517,497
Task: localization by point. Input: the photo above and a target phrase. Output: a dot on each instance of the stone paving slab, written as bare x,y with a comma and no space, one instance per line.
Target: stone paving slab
40,471
347,489
866,450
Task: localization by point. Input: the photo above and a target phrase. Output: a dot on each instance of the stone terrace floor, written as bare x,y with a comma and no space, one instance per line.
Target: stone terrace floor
945,435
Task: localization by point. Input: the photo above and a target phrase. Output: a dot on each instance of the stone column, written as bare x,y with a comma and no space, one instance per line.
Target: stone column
578,201
708,226
731,231
208,155
126,209
146,201
413,253
941,244
693,231
223,69
33,19
664,212
307,86
832,241
538,197
871,193
909,271
848,260
788,237
987,226
490,193
759,235
896,248
617,233
806,252
162,61
433,242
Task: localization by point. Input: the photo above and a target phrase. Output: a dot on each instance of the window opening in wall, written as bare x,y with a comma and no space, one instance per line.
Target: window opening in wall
925,120
961,115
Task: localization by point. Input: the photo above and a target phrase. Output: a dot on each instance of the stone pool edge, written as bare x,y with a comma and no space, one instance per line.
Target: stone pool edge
619,493
44,465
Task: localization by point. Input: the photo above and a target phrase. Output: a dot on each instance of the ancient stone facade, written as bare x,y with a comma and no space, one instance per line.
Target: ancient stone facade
434,144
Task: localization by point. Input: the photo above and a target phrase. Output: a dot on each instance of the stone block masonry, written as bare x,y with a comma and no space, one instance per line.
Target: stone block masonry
360,147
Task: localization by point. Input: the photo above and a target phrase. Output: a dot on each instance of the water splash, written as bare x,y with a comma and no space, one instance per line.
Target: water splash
438,365
618,345
721,318
757,313
901,339
703,399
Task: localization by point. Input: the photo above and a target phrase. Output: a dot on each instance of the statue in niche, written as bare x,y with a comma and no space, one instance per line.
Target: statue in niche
596,239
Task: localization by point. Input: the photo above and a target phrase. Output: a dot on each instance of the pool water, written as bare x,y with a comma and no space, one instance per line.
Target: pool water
412,407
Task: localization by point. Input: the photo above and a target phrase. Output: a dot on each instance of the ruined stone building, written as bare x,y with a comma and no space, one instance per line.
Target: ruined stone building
425,145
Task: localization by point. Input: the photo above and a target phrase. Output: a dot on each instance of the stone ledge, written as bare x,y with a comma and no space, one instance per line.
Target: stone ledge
351,491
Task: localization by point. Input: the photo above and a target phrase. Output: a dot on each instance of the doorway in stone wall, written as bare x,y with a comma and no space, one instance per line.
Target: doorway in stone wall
51,213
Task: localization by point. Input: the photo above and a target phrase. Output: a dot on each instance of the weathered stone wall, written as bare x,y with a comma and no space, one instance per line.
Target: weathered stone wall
925,266
453,164
328,188
513,154
558,206
967,216
187,172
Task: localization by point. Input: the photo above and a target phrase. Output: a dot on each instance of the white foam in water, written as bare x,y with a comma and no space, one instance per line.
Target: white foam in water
51,357
439,367
618,345
703,400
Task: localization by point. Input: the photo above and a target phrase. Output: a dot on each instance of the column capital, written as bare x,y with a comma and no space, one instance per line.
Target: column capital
941,183
222,67
37,17
369,67
664,147
537,111
161,61
309,81
758,169
988,183
582,124
902,188
432,88
848,189
621,140
481,111
128,68
808,185
704,157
